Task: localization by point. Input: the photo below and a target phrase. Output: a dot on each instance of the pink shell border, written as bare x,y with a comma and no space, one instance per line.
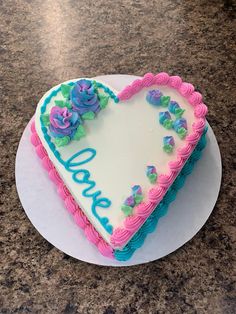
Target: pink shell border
71,205
122,235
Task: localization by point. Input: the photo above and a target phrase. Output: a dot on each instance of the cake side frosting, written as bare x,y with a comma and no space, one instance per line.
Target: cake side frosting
123,228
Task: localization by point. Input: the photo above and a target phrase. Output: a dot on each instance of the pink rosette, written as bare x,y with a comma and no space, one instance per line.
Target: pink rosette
80,219
156,194
200,111
71,205
144,209
175,82
91,234
47,164
195,98
185,151
148,80
120,236
126,93
132,223
137,86
32,127
165,180
63,191
186,89
41,151
162,78
199,125
35,140
193,138
176,165
105,249
54,176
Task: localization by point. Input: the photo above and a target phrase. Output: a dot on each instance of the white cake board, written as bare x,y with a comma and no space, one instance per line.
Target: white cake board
184,219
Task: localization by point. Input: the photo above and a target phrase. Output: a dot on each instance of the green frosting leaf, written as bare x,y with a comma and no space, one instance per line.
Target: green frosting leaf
68,105
165,101
90,115
59,103
79,133
95,86
62,141
168,124
168,148
62,104
179,112
127,210
103,100
182,133
152,178
138,198
65,90
45,119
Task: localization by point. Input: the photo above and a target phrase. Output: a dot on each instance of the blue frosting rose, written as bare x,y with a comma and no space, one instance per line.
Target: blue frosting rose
63,122
180,123
84,98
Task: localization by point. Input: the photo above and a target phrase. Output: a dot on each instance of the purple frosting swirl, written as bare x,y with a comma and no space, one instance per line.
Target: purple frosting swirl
154,97
63,122
84,98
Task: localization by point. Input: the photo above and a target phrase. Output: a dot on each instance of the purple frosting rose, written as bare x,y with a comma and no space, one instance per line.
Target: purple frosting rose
84,98
63,122
154,97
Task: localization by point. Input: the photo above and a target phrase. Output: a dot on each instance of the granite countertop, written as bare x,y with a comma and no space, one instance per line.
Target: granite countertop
45,42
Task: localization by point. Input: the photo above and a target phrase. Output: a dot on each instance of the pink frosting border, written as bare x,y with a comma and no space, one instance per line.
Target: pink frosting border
71,205
131,224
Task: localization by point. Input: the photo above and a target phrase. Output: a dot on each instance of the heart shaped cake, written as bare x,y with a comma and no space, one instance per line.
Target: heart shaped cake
118,158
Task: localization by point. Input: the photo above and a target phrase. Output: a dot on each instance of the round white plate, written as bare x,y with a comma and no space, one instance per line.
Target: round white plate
185,217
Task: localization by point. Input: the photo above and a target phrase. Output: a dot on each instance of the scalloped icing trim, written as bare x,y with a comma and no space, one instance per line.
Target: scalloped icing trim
82,221
79,217
122,235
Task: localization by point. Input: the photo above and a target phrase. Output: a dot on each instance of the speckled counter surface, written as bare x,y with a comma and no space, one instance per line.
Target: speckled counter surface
46,42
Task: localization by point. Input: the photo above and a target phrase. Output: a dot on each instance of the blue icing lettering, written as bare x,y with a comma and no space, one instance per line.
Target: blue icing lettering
82,176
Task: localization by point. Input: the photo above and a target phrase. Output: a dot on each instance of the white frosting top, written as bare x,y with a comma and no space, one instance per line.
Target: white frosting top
127,137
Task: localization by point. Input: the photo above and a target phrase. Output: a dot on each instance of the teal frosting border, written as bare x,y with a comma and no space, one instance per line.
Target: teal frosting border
162,208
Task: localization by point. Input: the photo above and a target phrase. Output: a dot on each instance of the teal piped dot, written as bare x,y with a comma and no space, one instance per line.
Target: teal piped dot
47,137
44,129
48,99
52,146
57,154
